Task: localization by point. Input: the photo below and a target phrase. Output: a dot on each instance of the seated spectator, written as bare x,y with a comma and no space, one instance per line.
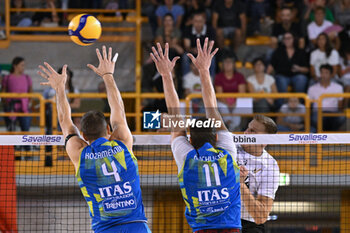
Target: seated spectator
149,8
17,82
20,18
168,33
345,69
291,123
286,25
229,80
290,65
46,18
229,20
324,54
169,7
315,28
192,84
328,104
262,83
342,12
199,30
258,12
310,14
192,6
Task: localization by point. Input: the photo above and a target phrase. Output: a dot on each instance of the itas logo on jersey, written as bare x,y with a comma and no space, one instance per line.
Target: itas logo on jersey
151,120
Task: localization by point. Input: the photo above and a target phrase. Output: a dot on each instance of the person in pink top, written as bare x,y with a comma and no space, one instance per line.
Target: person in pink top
229,80
17,82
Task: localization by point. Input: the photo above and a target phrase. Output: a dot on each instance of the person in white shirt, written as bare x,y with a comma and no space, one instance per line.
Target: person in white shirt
324,54
319,25
328,104
192,84
259,177
291,123
260,82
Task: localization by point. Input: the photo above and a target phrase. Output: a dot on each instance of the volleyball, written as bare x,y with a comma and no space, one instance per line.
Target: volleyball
84,29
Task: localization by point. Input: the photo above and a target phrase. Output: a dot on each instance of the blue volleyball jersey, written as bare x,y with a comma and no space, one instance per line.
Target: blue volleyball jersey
109,180
210,186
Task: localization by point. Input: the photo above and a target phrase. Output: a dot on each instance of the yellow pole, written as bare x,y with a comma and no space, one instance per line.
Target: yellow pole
7,18
345,212
138,66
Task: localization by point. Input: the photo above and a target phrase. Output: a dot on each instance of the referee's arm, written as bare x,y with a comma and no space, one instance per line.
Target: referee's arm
260,207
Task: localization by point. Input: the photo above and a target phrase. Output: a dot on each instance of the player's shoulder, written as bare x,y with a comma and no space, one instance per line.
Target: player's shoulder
268,160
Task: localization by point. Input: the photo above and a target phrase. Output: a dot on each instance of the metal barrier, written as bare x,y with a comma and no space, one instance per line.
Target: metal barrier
40,114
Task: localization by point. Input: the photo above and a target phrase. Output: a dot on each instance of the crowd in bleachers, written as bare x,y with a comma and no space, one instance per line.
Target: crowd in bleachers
308,51
307,40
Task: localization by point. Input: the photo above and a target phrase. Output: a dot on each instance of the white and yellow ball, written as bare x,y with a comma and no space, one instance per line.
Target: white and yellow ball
84,29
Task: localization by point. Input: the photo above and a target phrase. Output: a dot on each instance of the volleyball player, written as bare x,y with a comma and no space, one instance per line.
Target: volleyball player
259,177
106,168
207,171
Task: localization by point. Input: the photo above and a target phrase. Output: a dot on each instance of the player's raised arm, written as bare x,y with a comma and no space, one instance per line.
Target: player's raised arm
165,67
202,63
58,81
105,70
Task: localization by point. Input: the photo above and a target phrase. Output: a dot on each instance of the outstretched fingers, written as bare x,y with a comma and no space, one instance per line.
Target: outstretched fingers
93,68
173,62
49,67
193,59
205,46
104,52
99,55
199,48
166,52
153,58
210,48
110,54
155,53
160,50
214,52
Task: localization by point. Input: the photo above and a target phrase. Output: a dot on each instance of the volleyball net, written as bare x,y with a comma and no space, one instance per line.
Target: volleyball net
39,191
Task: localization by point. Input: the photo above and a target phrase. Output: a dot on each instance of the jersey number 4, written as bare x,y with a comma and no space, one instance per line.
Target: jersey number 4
216,174
114,171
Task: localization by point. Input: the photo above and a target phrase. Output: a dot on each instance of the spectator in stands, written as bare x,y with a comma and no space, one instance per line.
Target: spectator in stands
17,82
169,7
345,69
291,123
229,80
199,30
290,65
46,18
328,104
149,8
324,54
260,82
192,6
286,25
20,18
230,21
320,24
342,12
258,11
312,6
168,33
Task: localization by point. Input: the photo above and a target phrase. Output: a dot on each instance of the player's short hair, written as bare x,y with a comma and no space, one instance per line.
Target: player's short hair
270,125
93,125
202,135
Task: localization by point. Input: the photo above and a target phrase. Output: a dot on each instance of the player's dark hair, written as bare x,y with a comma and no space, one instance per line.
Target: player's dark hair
93,125
270,125
202,135
15,62
327,67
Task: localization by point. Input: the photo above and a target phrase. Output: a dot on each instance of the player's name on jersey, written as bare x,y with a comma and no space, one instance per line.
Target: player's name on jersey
209,157
104,153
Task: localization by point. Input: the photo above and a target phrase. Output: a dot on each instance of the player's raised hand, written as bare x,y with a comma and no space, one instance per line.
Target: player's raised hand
106,63
53,78
162,61
204,55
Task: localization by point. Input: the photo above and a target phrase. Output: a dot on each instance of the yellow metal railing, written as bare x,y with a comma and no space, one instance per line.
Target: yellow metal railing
40,114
